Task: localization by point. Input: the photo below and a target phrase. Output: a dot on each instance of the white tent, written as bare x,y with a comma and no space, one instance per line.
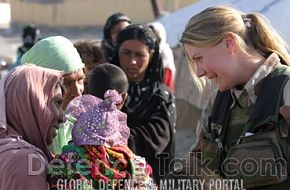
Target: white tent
187,96
277,11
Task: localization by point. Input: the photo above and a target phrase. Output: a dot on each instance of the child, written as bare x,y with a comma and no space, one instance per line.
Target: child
104,77
99,157
92,55
108,76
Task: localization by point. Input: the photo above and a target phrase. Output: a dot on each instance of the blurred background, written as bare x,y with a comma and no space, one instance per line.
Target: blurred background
75,18
84,20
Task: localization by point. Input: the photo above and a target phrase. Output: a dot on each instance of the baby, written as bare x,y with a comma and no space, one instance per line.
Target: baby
98,157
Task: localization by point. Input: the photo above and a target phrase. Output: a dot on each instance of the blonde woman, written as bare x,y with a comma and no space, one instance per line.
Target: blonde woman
242,122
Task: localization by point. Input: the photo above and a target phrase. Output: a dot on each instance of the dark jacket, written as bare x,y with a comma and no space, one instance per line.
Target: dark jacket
152,127
150,108
264,126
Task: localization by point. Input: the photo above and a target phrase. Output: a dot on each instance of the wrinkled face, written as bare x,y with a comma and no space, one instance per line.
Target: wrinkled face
73,86
217,63
55,107
134,58
117,28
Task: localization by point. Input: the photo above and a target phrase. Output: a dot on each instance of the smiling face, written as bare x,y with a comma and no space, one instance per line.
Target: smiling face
217,63
134,58
55,107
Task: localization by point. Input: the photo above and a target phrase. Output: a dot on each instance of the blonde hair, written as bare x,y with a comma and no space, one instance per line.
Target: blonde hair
253,32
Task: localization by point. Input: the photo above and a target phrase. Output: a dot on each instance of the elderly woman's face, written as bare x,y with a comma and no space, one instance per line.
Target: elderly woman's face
73,86
134,58
55,107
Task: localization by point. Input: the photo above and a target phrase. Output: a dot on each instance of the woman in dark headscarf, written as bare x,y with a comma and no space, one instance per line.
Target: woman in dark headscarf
150,106
114,24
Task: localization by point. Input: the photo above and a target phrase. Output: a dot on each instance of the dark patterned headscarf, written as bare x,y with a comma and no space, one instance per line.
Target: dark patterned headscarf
144,34
107,43
143,90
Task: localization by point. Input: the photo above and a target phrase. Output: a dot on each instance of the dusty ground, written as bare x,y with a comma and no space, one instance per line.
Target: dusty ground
11,39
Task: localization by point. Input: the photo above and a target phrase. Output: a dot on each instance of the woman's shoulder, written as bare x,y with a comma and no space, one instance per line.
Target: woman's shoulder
19,152
22,156
161,91
23,163
27,166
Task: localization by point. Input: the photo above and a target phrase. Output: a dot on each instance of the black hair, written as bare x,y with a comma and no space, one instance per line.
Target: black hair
145,35
107,76
90,52
30,34
112,21
107,44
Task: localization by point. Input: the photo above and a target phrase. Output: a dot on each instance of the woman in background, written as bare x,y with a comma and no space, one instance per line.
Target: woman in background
114,24
166,54
150,106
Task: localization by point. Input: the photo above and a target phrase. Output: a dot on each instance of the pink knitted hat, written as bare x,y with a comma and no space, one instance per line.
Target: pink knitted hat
100,122
81,104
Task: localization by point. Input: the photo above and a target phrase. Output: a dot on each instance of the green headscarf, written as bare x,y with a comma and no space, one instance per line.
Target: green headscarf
56,52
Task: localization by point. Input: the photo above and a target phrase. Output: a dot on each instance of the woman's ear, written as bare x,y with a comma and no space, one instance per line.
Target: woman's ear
124,97
230,43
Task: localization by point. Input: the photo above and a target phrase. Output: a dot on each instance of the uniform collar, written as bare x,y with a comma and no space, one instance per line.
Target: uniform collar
263,71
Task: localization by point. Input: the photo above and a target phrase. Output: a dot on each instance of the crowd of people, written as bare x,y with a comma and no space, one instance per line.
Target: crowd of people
103,116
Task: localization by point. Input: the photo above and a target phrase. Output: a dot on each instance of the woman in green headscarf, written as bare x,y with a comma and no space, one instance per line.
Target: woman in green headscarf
59,53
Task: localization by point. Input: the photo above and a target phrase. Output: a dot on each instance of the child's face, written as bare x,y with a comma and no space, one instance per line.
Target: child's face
216,63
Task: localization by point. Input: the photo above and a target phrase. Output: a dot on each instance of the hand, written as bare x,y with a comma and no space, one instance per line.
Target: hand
285,112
